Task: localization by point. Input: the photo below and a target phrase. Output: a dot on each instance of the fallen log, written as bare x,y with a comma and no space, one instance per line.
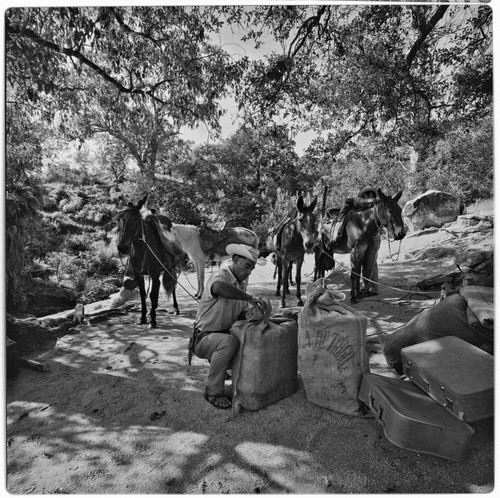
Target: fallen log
33,364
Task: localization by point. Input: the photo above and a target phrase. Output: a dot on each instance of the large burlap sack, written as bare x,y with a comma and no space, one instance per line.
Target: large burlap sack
332,354
448,317
265,366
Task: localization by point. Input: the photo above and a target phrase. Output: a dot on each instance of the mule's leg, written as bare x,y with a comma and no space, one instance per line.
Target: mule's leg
142,292
285,269
169,286
356,258
317,257
280,275
298,279
200,275
176,306
289,278
153,296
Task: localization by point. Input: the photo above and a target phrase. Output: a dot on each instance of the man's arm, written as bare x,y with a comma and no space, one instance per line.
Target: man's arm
228,291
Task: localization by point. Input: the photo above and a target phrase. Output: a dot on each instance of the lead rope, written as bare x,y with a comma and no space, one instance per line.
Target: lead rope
129,261
379,226
372,281
163,266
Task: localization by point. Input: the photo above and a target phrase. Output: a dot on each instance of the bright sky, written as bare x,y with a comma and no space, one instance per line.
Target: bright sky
230,122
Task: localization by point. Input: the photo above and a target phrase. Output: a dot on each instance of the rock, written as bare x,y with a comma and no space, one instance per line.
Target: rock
431,209
12,357
477,261
32,334
477,222
45,298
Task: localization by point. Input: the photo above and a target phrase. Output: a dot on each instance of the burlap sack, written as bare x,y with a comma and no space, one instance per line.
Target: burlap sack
332,355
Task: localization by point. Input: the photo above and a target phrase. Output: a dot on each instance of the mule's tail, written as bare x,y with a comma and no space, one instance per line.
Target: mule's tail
169,284
170,280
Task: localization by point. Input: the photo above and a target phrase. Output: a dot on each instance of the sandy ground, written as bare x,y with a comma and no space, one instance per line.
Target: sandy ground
122,412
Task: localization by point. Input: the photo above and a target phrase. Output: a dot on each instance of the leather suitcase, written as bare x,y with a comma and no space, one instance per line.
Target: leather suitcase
458,375
413,420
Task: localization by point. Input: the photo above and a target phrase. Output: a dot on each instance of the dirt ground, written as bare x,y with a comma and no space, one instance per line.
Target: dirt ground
122,412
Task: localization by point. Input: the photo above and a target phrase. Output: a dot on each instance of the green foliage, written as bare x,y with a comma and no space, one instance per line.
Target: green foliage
135,73
462,164
263,227
392,72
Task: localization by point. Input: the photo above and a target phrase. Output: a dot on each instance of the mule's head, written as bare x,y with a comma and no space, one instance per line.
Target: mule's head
391,216
129,225
307,223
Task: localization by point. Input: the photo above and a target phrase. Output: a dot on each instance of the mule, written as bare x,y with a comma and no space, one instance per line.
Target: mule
148,255
323,261
296,238
192,243
361,225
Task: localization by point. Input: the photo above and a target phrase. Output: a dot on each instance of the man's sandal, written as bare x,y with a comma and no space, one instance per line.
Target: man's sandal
218,400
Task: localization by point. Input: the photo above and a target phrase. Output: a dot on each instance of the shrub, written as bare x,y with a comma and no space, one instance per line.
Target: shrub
102,264
78,242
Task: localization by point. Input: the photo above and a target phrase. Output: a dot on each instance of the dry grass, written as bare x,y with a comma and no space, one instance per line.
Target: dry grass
482,206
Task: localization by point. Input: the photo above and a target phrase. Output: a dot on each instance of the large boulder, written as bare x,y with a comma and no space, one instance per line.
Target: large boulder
431,209
46,297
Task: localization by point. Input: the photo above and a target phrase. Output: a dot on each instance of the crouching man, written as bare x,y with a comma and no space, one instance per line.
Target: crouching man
223,303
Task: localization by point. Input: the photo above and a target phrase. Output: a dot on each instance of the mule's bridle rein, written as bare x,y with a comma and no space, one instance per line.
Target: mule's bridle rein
142,238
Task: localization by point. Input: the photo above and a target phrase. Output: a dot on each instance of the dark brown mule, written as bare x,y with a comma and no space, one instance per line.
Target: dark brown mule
139,238
361,225
297,237
323,261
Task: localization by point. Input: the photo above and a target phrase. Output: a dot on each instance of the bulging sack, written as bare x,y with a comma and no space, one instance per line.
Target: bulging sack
332,357
446,318
265,365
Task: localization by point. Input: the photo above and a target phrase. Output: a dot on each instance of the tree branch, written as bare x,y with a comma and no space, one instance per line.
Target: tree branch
84,60
424,32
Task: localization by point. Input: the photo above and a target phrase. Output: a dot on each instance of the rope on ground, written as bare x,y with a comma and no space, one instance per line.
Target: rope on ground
372,281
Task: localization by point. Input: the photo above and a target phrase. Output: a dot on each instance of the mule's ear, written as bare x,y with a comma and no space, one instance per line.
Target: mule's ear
313,204
142,201
300,203
381,195
397,196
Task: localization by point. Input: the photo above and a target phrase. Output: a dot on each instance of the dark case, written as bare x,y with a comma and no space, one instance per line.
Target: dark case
458,375
413,420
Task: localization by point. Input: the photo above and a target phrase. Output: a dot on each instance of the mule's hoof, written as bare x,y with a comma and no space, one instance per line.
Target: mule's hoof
152,325
277,293
300,302
143,321
353,300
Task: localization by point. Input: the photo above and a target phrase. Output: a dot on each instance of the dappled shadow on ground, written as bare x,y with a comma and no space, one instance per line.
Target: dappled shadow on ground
122,412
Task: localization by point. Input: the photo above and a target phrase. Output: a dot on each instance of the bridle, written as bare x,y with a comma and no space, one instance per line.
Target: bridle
139,231
311,223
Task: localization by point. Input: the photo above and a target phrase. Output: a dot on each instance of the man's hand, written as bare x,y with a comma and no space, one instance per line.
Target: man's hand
263,305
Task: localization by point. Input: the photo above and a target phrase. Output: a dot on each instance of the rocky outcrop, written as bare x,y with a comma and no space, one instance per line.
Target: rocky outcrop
431,209
45,298
32,334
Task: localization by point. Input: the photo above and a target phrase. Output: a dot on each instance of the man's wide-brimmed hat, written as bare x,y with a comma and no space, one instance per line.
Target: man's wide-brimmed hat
365,190
246,251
